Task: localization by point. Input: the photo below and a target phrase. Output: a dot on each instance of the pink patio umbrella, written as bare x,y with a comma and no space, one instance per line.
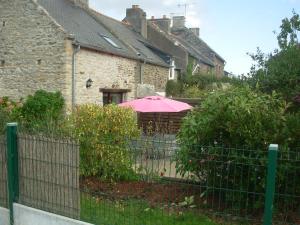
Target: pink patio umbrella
156,104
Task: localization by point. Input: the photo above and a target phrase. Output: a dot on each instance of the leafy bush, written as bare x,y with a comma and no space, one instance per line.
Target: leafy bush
4,118
235,117
193,92
8,110
102,132
232,119
198,85
173,88
42,110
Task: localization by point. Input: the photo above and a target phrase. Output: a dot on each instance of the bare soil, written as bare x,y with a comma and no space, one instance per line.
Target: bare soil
168,194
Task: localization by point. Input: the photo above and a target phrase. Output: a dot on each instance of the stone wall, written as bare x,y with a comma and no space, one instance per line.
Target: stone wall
157,76
36,53
113,72
219,67
106,71
32,50
204,68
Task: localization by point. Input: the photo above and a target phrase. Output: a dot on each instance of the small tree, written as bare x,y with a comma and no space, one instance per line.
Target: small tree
280,71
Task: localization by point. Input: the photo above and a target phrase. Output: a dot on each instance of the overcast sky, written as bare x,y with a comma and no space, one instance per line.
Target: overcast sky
231,27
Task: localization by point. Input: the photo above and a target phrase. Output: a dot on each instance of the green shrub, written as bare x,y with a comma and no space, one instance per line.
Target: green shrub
102,132
193,92
199,85
173,88
42,110
4,118
232,119
8,110
235,117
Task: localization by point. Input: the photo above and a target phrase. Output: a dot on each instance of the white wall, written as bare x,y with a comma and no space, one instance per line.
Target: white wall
28,216
4,216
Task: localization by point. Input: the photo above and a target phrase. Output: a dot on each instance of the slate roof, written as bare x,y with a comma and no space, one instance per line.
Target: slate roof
190,48
192,40
89,32
138,44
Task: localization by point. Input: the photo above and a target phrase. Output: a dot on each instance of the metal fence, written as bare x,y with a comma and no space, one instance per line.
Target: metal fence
49,174
287,193
170,183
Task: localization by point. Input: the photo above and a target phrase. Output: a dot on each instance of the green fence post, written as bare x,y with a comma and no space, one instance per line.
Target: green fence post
270,187
12,168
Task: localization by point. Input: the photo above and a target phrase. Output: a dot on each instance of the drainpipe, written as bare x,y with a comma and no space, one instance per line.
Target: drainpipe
75,51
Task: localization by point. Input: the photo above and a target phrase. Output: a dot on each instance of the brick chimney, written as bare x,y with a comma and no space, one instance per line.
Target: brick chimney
137,18
163,23
81,3
196,31
178,22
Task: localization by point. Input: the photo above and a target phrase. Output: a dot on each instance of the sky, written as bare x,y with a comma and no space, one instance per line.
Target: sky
232,28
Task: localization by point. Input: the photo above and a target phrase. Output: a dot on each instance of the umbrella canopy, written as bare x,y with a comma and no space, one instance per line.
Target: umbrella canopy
156,104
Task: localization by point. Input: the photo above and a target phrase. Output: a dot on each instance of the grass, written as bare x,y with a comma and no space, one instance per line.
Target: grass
134,212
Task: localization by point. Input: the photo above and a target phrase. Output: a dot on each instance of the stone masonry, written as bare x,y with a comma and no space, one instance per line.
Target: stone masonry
32,50
106,71
36,53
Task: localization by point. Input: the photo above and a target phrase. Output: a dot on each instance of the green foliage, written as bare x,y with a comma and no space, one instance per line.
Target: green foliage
198,85
8,109
173,88
233,119
4,118
279,71
42,110
291,130
288,31
103,132
189,68
236,116
193,92
98,210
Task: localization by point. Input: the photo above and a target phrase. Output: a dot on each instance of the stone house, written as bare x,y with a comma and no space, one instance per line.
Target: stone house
183,44
63,45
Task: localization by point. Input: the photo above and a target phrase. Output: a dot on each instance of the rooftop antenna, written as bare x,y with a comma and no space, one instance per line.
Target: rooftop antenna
185,5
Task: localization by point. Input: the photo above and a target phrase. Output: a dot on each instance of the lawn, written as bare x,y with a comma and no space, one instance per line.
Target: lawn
135,212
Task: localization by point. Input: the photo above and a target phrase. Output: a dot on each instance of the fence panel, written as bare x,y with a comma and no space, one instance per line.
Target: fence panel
172,188
3,173
49,174
167,184
287,194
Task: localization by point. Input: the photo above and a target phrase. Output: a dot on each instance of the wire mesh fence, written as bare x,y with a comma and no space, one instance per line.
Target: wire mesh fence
3,173
49,174
287,195
166,182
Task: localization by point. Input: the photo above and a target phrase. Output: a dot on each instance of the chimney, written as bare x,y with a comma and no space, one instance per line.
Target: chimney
137,18
196,31
81,3
178,22
163,23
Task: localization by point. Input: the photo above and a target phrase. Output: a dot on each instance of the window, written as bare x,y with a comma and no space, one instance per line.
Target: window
111,42
111,97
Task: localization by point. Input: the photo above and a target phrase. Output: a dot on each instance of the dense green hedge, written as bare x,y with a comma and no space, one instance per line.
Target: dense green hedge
228,122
